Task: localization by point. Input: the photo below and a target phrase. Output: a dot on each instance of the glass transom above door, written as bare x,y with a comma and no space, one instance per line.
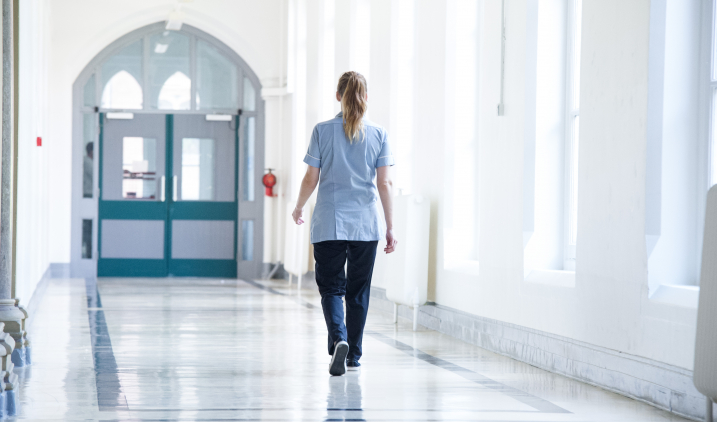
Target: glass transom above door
169,82
171,71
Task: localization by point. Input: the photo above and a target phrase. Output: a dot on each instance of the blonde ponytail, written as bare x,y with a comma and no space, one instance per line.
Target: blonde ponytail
352,88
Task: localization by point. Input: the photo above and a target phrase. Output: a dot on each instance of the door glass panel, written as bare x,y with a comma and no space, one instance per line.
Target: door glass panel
249,135
204,158
121,74
247,240
170,86
139,168
88,154
217,79
198,169
249,95
88,92
86,239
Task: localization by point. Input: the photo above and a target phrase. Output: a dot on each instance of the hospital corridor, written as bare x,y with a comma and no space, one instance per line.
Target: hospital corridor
358,210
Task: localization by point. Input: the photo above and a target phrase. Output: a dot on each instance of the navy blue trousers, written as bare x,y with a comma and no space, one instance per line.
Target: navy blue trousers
354,283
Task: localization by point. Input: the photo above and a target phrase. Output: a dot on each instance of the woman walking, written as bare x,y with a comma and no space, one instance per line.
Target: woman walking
345,154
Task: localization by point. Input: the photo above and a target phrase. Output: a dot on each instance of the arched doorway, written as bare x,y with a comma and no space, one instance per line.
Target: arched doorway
168,152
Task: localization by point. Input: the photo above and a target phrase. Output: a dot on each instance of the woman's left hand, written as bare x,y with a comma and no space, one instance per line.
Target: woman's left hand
297,214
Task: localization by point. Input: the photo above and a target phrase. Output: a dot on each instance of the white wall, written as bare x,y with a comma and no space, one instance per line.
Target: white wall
33,207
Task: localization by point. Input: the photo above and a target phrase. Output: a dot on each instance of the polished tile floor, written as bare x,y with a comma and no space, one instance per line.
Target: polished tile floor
213,350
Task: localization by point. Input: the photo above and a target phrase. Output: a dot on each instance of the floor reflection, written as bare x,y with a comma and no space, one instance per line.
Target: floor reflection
345,401
228,350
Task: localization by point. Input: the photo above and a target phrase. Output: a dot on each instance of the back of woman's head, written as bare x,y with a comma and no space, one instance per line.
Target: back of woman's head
352,88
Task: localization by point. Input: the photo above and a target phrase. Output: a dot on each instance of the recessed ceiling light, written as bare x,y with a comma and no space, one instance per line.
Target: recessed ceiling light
160,48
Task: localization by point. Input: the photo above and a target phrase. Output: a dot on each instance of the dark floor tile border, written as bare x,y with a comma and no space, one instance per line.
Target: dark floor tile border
330,409
276,292
109,389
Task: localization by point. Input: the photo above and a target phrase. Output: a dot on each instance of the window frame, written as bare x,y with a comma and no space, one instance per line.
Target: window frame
466,265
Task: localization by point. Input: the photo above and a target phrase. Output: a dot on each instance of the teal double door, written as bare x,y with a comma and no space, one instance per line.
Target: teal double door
168,195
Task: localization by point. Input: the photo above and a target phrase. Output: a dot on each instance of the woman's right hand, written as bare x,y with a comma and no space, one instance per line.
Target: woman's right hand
391,241
297,214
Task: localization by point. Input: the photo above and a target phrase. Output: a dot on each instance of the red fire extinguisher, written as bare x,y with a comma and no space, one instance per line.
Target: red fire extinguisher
269,180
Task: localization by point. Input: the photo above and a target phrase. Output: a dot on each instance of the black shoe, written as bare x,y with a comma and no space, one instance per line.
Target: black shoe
353,365
338,360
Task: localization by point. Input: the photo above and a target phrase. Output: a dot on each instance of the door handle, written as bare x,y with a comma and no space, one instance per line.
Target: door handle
162,193
174,188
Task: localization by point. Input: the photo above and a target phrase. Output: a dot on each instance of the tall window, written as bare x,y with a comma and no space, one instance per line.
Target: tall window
402,90
675,179
461,225
550,127
328,58
360,58
573,129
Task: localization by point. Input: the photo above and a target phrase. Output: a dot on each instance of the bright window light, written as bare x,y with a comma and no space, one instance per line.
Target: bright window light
462,236
122,92
402,84
361,36
328,47
175,92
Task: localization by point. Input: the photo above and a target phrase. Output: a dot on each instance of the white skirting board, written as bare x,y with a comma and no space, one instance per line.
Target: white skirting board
54,270
664,386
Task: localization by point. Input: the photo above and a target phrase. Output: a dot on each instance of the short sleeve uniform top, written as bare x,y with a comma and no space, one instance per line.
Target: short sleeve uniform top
346,205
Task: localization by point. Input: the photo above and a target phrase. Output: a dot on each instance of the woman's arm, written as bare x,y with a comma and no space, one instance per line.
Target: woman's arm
311,179
385,191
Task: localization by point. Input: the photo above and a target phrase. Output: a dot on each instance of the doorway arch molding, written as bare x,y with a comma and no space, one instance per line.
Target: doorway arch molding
86,208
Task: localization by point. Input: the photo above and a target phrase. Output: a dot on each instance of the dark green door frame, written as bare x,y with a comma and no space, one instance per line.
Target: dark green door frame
167,211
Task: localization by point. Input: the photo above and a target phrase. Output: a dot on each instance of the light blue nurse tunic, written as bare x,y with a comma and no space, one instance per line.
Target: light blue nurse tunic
346,205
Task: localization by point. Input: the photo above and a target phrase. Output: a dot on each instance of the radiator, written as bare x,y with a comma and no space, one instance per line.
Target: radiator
705,372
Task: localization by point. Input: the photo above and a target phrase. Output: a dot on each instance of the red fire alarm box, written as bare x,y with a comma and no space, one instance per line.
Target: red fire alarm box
39,141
